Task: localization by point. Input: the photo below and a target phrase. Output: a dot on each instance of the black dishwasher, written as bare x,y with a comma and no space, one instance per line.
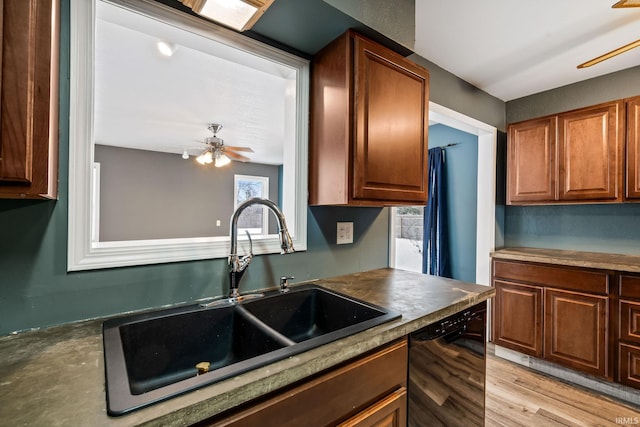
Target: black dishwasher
447,367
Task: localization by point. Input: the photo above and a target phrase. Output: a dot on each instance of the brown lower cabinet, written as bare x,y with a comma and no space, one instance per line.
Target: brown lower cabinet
576,331
561,314
629,330
388,412
518,317
369,391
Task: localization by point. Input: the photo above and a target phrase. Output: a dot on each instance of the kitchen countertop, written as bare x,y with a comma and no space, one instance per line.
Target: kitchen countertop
55,376
604,261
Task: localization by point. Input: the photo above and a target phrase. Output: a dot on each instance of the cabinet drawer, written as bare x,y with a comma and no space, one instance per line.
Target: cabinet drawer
582,280
330,398
629,286
629,365
630,321
388,412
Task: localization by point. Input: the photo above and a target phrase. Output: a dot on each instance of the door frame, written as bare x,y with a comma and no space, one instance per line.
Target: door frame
486,187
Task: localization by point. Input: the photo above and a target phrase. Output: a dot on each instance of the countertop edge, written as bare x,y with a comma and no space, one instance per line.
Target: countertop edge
595,260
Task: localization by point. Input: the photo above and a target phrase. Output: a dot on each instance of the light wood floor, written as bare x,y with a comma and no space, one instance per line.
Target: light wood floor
517,396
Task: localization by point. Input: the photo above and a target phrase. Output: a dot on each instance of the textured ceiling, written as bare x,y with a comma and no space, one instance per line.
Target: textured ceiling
515,48
507,48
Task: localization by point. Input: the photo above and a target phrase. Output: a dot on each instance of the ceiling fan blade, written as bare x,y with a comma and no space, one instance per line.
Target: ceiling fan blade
611,54
236,156
230,147
626,3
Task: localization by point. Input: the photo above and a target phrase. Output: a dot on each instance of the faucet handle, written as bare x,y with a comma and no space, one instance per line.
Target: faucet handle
284,283
238,264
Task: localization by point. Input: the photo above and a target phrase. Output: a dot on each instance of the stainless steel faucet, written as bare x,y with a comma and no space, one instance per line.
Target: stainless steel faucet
238,265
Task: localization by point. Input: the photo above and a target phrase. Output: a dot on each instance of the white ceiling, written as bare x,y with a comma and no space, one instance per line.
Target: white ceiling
147,101
508,48
515,48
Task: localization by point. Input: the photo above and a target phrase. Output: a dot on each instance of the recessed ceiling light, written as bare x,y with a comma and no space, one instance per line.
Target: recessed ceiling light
166,48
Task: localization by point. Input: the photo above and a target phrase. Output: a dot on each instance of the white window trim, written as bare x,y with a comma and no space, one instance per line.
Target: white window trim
85,254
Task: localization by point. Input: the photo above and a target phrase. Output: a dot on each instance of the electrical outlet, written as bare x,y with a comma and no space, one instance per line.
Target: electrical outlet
344,233
217,223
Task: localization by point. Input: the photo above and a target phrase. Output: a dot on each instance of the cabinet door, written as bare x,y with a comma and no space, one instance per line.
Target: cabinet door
590,150
531,170
633,149
576,331
518,317
391,125
28,89
391,411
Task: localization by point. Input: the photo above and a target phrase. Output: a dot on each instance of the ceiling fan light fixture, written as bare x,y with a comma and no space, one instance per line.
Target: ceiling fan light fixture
240,15
626,3
205,158
221,160
219,153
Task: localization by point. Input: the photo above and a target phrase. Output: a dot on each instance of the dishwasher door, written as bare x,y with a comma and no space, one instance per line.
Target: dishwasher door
447,369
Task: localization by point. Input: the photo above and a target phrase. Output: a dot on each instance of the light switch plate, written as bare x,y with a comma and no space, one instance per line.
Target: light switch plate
344,233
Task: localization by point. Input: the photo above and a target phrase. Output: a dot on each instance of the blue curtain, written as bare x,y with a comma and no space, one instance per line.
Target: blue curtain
435,254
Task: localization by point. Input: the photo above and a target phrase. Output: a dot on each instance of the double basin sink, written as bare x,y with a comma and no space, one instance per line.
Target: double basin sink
152,356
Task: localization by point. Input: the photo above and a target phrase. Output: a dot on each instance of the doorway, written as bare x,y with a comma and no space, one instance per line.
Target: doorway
485,239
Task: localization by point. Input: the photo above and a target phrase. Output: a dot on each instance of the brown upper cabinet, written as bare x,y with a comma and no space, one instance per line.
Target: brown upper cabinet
531,162
369,126
633,148
590,153
29,99
571,157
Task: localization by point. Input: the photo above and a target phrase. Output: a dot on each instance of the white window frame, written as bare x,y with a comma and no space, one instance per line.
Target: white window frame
264,192
83,252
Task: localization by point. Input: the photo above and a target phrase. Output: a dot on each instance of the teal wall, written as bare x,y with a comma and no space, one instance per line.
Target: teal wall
597,228
37,291
593,228
462,197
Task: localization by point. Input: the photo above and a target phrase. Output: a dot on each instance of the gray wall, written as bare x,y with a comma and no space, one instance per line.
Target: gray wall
37,291
383,15
612,86
458,95
153,195
598,228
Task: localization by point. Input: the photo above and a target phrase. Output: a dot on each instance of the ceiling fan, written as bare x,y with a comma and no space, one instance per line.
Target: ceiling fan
621,49
219,153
